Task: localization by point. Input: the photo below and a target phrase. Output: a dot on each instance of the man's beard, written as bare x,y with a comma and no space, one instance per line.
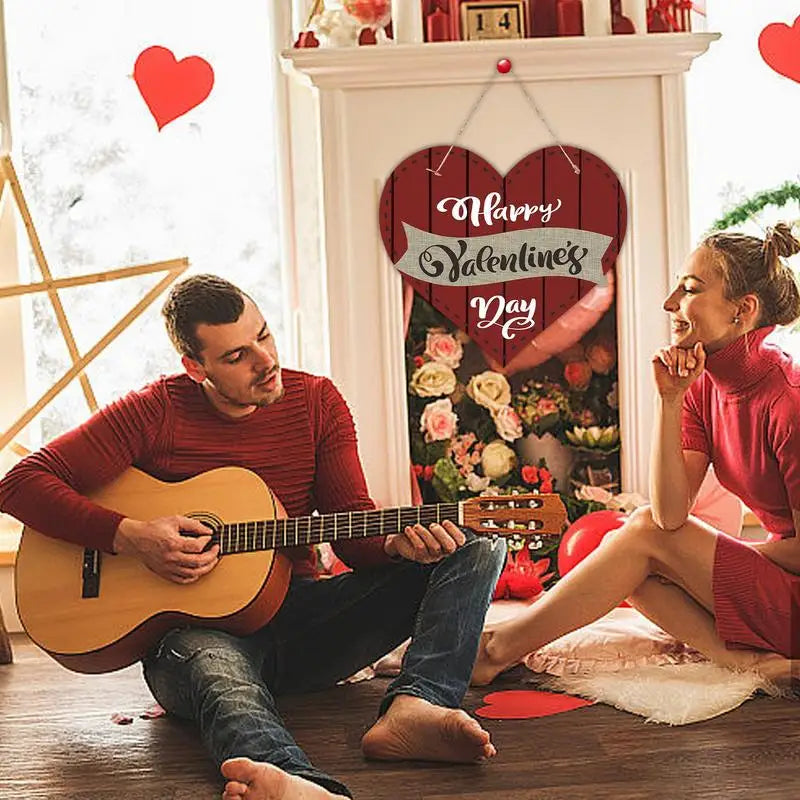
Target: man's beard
257,402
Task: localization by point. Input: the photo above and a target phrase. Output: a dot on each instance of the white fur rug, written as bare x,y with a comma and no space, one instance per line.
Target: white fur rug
676,694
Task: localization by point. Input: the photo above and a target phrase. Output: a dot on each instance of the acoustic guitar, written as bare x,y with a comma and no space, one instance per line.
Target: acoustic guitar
96,612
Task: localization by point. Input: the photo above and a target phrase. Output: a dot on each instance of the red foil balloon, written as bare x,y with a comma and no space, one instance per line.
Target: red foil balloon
584,535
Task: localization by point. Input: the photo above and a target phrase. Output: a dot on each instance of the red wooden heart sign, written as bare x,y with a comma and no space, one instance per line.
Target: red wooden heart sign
170,87
499,255
780,48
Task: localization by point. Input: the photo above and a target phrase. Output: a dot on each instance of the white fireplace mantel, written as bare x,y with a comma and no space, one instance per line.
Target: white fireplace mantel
564,58
357,112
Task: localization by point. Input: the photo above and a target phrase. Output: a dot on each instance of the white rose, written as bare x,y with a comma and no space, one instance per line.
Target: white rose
476,484
490,390
444,348
433,379
497,459
438,422
507,423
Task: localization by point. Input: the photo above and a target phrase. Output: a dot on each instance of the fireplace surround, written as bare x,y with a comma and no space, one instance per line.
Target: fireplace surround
356,112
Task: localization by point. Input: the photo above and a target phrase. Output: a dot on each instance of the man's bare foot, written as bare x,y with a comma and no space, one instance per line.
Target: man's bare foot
490,662
256,780
414,729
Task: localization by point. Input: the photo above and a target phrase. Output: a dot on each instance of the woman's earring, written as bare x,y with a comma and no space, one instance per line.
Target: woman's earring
736,320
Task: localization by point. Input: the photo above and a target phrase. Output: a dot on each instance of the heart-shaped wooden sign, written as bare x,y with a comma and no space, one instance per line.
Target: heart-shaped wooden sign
503,257
528,704
779,45
170,87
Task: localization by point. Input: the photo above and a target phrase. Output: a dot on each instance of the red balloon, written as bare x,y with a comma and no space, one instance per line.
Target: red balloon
584,535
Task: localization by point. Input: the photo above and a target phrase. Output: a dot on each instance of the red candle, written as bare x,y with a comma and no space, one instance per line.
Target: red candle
544,22
438,26
569,16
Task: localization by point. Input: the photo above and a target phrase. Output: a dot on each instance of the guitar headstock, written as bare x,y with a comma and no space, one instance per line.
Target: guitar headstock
516,515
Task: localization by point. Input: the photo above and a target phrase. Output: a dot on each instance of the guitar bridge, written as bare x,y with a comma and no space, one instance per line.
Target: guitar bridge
91,573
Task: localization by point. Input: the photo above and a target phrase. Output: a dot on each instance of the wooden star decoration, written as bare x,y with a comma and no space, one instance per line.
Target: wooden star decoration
173,269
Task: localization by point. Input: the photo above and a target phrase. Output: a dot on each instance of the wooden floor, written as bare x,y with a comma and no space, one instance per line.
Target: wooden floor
57,741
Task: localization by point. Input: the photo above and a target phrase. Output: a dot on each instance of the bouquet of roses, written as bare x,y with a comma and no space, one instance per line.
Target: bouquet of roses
461,422
543,407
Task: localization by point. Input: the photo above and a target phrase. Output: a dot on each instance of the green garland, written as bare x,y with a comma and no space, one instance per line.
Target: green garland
774,197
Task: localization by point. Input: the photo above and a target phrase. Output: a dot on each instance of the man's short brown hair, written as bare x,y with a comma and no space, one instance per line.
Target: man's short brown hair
200,299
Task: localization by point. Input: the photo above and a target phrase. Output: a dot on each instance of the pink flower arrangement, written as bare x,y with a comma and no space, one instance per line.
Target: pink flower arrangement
542,406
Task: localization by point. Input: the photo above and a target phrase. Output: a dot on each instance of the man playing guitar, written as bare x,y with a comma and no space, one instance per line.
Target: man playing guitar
235,405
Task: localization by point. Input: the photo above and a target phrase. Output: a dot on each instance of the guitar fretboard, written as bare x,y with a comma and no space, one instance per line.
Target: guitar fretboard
244,537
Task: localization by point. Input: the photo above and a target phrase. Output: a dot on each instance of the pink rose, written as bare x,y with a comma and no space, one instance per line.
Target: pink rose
507,424
444,348
595,493
438,422
578,374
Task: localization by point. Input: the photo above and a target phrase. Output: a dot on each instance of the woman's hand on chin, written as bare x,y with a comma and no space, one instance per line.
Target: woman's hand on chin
675,369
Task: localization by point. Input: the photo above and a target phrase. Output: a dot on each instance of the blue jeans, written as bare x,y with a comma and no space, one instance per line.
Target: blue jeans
324,632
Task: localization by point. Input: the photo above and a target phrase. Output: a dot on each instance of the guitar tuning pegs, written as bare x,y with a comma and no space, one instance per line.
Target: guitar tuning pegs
490,523
490,507
515,491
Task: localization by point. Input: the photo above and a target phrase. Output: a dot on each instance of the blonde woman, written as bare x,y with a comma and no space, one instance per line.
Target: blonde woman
726,397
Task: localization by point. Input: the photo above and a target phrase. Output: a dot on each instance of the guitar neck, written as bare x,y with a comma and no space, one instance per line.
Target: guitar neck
243,537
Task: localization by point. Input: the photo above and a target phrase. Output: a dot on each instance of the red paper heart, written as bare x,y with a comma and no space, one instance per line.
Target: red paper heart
527,704
591,201
779,45
169,87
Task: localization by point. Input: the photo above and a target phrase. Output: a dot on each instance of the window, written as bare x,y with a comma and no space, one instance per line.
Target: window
743,120
107,189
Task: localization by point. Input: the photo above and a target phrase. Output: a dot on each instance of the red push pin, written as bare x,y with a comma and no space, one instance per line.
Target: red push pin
504,66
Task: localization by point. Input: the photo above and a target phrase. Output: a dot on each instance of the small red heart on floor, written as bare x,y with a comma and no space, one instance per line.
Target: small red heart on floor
170,87
527,704
780,48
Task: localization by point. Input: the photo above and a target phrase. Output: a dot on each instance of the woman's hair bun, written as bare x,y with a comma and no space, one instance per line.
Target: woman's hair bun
780,241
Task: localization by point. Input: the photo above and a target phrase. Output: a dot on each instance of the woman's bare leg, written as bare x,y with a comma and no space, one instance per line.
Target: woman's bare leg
613,572
680,615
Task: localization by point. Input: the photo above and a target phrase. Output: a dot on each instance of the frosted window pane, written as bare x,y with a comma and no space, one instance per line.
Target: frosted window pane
107,189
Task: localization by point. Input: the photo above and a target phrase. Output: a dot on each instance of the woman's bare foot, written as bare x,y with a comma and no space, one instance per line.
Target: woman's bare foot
414,729
490,661
779,671
256,780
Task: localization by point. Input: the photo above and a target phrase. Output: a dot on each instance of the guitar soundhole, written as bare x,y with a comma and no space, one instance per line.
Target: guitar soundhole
210,521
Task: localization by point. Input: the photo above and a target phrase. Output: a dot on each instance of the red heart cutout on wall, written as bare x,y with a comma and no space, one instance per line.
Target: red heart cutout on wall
528,704
779,45
466,208
170,87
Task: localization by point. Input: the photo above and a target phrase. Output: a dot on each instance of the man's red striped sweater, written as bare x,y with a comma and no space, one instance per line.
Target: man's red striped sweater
303,447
